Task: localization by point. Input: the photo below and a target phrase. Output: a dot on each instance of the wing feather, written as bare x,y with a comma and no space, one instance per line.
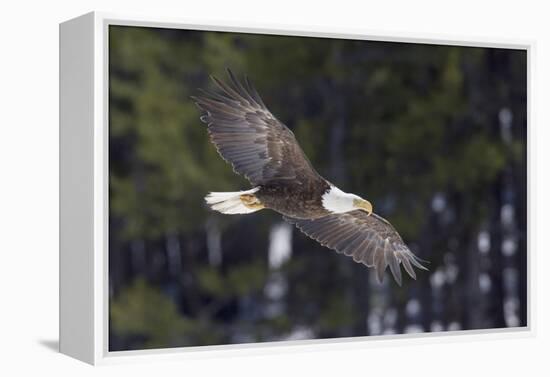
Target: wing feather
249,137
370,240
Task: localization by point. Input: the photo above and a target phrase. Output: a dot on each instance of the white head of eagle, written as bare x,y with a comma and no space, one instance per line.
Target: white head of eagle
338,201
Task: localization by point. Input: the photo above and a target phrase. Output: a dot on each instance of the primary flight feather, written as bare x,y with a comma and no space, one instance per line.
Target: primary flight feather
265,151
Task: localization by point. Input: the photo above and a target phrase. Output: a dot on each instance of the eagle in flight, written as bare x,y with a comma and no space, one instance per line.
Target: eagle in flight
262,149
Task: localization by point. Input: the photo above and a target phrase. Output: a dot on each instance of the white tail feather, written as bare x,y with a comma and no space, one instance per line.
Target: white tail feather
230,202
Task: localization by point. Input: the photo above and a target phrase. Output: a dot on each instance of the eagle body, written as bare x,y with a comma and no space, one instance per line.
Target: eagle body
302,200
262,149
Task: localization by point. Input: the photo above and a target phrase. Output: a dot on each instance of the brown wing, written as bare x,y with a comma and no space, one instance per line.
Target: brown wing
249,137
370,240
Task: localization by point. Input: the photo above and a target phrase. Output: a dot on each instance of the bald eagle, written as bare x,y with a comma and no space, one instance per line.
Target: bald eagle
261,148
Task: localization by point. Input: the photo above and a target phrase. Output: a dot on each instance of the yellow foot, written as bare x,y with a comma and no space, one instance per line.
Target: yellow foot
251,201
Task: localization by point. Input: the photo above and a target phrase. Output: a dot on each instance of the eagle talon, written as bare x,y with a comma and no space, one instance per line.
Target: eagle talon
251,201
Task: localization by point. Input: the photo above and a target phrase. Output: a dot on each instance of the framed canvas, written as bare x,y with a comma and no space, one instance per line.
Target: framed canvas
232,189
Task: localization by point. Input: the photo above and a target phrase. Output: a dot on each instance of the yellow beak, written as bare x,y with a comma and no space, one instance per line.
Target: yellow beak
365,205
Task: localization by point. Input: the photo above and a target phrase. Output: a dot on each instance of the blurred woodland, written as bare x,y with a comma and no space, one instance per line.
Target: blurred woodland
434,136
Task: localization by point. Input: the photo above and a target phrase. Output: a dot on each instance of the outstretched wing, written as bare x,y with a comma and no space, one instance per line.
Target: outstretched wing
249,137
370,240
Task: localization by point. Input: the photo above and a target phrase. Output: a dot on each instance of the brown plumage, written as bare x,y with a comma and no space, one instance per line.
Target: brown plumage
265,151
370,240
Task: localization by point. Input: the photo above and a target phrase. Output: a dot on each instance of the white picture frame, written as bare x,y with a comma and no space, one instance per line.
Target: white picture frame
84,193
